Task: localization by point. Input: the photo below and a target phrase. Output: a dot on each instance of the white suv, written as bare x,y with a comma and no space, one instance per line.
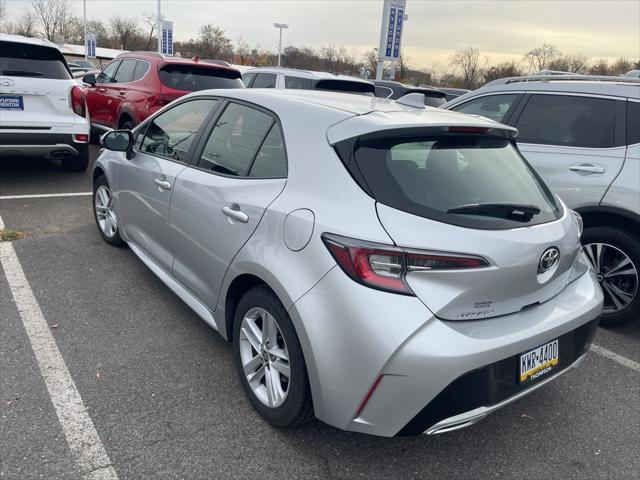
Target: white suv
291,78
582,134
43,112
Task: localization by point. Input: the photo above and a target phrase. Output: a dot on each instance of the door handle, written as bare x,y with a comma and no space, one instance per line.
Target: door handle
587,169
122,92
102,90
236,213
163,184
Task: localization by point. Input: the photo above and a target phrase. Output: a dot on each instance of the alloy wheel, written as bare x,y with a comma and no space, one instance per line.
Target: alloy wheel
265,357
616,273
105,215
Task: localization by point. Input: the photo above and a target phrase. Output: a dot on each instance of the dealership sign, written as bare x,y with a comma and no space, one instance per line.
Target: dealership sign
393,18
167,38
90,45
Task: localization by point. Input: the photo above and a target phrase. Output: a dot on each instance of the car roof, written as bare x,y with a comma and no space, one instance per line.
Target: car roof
306,74
365,114
28,40
617,86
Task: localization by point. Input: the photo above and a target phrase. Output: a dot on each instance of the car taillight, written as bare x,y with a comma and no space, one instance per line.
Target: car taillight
385,267
78,101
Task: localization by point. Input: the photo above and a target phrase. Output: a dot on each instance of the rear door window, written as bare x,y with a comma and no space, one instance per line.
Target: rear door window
445,177
246,79
108,73
141,70
35,61
125,71
383,92
271,160
171,133
571,121
633,123
494,107
265,80
235,140
297,83
191,78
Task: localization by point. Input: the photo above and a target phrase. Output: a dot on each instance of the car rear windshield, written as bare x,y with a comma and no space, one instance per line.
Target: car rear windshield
191,78
346,86
35,61
470,180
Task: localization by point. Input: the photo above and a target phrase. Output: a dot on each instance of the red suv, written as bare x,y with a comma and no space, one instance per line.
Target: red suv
136,84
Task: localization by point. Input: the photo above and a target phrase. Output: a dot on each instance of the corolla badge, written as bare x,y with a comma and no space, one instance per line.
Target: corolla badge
549,259
6,82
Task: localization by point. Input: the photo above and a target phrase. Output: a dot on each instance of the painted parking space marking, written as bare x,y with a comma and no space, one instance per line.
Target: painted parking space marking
77,426
627,362
45,195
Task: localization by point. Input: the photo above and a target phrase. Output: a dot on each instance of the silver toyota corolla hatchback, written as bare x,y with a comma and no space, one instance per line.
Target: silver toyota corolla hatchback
389,268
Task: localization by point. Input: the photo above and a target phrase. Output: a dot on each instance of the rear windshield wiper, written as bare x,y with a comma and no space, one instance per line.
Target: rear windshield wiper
511,211
20,73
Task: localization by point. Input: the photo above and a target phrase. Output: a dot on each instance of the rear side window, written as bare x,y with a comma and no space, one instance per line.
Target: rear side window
265,80
346,86
125,71
494,107
171,133
246,79
141,70
35,61
235,140
191,78
383,92
439,177
633,123
570,121
297,83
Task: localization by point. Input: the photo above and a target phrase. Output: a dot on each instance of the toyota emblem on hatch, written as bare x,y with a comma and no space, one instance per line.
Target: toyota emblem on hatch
549,259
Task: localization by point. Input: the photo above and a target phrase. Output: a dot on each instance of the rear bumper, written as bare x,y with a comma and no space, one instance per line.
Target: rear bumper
352,335
35,144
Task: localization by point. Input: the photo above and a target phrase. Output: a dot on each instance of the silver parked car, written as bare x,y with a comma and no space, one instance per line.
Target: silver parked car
582,135
390,269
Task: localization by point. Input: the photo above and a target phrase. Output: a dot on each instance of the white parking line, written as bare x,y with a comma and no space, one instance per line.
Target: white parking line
78,428
45,195
627,362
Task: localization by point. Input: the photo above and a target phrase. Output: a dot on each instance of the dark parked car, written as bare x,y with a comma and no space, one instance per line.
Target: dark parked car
395,90
135,85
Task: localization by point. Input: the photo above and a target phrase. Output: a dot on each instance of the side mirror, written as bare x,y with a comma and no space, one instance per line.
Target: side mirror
118,140
89,78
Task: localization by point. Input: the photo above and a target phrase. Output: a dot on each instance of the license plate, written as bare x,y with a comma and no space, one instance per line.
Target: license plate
11,102
539,361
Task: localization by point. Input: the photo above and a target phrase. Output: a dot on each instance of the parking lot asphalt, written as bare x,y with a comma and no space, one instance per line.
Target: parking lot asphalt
161,388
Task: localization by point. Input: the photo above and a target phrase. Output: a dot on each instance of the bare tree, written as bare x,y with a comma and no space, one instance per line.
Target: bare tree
503,70
330,56
540,57
26,23
151,23
467,60
51,15
243,52
621,65
101,31
3,13
124,29
214,43
371,61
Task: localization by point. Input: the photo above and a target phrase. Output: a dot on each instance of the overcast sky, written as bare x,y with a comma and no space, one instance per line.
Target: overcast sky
502,29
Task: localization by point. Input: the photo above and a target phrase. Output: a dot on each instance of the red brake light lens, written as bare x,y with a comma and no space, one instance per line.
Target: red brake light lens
385,267
78,101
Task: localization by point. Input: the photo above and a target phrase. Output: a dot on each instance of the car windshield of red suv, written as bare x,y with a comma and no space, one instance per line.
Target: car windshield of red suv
192,78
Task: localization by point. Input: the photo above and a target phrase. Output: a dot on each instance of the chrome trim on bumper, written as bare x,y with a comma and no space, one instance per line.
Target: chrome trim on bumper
467,419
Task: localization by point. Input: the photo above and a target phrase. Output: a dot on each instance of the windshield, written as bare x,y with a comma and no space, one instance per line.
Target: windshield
468,180
191,78
24,60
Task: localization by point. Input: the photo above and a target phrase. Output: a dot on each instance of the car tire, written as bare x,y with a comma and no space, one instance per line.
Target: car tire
296,407
103,212
617,247
77,163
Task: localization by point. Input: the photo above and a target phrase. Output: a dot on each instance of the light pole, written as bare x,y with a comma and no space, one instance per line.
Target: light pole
84,10
280,26
159,28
